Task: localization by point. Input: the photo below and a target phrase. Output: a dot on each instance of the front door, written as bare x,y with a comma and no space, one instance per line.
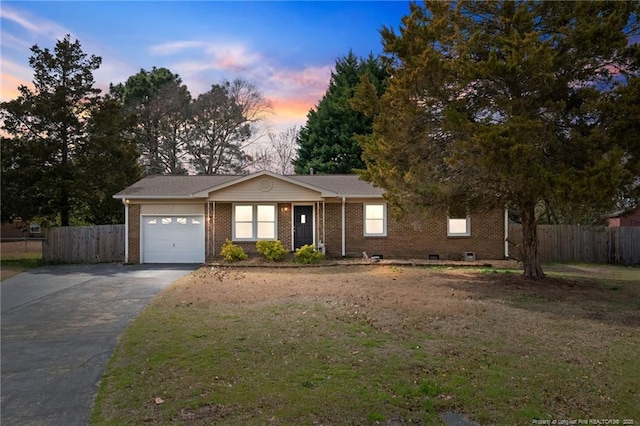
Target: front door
302,226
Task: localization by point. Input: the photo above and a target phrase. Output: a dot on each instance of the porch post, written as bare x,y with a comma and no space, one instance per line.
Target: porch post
207,227
324,235
344,231
212,220
126,231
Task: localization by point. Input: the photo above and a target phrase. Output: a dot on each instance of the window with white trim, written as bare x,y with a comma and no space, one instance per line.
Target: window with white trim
459,226
375,220
254,222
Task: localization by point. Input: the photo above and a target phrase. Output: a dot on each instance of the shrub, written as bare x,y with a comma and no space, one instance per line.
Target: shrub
231,252
308,254
272,250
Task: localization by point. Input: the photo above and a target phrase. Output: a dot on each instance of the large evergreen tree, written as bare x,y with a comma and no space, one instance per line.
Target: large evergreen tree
49,122
65,154
107,163
509,104
327,143
161,104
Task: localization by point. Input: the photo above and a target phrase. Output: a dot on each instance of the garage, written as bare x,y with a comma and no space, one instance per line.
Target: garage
173,239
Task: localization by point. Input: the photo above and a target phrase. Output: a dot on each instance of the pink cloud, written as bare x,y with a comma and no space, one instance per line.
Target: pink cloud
311,80
235,57
9,84
291,109
12,76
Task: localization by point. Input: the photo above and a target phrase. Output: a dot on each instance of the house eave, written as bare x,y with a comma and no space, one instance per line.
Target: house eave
323,192
358,196
157,197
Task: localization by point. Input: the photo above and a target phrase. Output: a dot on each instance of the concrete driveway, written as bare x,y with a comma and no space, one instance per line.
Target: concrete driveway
60,325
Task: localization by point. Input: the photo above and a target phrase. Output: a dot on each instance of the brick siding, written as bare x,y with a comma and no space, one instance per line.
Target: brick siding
414,237
223,223
284,225
134,233
222,219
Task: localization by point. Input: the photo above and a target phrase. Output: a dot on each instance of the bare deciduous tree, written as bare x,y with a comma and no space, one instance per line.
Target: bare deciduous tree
224,125
278,155
284,147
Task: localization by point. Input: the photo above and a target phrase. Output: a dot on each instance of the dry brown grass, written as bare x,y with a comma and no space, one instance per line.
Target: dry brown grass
450,300
18,256
490,344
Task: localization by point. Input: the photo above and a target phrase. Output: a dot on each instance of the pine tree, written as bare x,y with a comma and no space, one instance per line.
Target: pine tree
509,104
50,122
327,143
161,104
65,153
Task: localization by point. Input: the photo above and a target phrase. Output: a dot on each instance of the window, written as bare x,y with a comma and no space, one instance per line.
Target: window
375,220
166,220
266,222
254,222
458,227
181,220
34,228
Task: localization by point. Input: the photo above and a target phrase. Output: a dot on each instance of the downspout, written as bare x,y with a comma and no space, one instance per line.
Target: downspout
126,230
344,246
506,233
207,229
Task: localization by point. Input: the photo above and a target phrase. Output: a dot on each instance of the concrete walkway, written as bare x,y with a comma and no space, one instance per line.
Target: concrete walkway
60,325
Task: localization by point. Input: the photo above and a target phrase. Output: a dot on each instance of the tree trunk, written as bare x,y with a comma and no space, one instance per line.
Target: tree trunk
530,257
64,206
64,190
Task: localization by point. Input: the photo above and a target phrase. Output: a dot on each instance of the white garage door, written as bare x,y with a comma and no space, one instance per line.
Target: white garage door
173,239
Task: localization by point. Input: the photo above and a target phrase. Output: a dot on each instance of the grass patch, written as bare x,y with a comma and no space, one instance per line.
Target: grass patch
21,263
19,256
366,345
295,367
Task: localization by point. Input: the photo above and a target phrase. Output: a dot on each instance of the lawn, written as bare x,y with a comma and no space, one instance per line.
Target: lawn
18,256
380,345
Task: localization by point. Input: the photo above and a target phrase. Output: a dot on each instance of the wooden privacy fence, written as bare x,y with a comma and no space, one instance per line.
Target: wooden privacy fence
84,244
575,243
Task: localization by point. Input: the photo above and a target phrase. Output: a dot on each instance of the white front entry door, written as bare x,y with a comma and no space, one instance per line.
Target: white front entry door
173,239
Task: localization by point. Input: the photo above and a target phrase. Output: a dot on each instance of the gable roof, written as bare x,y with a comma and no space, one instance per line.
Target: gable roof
186,187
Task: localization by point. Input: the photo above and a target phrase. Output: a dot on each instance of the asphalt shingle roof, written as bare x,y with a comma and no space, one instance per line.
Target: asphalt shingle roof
347,185
170,186
173,186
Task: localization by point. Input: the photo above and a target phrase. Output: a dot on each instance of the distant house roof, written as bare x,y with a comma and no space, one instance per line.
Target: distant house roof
620,213
180,186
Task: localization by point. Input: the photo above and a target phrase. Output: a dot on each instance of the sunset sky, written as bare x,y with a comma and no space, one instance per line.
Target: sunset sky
287,49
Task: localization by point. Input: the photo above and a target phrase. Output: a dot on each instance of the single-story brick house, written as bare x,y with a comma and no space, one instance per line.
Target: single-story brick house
187,219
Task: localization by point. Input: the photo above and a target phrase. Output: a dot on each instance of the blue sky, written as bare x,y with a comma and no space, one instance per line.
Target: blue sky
286,48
